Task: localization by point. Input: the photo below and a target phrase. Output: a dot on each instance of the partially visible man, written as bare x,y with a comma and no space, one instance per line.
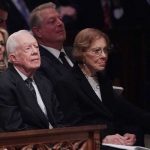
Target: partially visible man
49,30
3,14
27,100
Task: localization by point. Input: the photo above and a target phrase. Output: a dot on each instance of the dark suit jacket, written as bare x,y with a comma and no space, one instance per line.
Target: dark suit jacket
19,109
51,67
114,111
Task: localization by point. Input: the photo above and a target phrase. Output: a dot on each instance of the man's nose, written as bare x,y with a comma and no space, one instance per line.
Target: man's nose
59,22
35,50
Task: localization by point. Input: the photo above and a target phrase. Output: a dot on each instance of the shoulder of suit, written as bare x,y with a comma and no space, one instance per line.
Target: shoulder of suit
8,78
39,77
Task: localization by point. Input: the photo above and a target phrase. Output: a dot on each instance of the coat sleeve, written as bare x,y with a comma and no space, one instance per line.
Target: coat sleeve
131,113
68,99
58,114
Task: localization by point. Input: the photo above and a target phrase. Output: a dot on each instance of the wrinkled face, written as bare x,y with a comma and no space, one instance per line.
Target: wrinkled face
3,18
2,46
95,57
27,56
52,29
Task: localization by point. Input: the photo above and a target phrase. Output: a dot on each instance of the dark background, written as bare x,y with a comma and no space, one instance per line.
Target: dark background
129,61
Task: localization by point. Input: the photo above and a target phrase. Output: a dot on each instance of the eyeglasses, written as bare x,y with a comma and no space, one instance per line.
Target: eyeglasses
99,50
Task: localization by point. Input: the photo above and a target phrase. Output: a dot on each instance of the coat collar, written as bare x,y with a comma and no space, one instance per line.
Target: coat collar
87,89
25,93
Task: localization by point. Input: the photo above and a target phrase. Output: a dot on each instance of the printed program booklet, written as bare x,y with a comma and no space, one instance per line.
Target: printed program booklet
126,147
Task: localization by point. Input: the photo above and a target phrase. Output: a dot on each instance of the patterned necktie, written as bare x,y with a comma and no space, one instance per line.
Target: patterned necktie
63,59
28,82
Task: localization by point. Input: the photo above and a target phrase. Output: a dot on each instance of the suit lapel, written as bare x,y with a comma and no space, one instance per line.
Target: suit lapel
46,97
68,51
50,60
48,55
86,87
106,90
27,97
51,57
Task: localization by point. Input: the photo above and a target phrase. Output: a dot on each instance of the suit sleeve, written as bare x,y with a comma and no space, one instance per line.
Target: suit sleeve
58,114
131,113
124,111
68,99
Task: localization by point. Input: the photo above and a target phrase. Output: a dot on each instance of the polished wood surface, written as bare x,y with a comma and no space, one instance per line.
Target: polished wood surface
70,138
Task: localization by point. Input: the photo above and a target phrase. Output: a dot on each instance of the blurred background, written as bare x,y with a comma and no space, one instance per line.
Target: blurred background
127,22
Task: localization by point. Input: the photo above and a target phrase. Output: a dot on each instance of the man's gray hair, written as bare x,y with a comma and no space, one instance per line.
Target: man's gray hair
35,18
12,41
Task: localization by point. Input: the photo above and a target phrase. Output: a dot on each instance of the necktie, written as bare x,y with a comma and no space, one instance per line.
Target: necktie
63,59
28,82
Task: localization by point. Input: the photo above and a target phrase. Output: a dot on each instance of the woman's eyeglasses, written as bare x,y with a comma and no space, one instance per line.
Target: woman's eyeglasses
98,51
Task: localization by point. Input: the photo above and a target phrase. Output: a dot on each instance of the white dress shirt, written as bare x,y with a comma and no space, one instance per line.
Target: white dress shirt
38,96
56,53
95,85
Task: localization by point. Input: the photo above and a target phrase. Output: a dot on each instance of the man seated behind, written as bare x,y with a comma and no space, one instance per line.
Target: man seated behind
49,30
3,13
27,100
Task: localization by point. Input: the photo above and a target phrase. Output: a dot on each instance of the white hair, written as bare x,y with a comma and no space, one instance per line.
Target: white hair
12,41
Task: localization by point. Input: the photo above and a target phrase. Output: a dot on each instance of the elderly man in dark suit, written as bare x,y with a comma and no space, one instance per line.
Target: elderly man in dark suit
27,100
49,30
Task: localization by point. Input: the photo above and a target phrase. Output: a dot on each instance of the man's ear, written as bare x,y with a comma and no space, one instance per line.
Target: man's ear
37,32
12,58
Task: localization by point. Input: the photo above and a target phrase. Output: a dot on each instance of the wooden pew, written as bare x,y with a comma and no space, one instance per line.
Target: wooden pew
68,138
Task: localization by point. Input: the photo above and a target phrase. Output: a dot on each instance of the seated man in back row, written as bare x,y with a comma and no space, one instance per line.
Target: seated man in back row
27,100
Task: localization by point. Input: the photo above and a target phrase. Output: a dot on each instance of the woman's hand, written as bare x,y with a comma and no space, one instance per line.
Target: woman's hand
126,139
115,139
130,139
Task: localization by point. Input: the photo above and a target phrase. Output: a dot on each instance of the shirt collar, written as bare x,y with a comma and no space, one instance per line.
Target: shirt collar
24,77
54,51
